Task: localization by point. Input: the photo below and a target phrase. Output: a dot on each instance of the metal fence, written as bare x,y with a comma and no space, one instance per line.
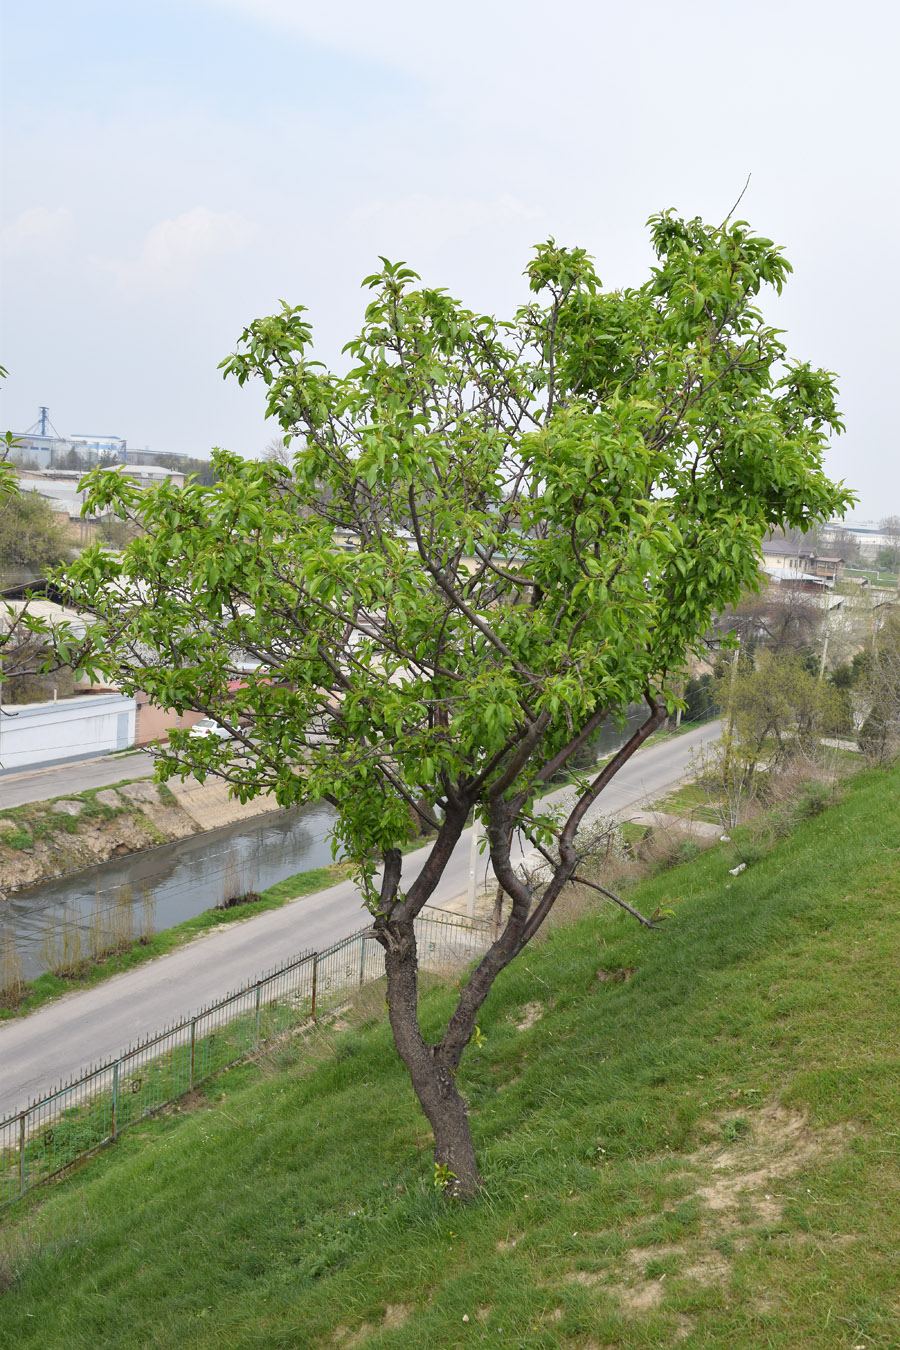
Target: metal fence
52,1133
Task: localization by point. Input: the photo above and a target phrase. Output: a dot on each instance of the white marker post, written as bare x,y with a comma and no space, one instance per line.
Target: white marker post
473,869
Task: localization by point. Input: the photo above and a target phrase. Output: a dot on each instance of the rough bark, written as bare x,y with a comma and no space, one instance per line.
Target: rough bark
431,1068
432,1076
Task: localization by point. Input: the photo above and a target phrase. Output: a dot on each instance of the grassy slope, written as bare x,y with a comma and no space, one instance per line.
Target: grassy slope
752,1056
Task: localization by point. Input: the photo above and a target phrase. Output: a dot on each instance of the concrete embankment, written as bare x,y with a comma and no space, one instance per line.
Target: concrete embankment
44,840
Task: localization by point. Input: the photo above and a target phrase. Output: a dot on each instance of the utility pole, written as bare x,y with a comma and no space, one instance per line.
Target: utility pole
734,666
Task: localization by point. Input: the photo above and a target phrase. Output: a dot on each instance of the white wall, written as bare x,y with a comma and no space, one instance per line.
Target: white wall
72,728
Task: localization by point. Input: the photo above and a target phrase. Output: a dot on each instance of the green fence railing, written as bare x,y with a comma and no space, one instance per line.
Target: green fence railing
50,1134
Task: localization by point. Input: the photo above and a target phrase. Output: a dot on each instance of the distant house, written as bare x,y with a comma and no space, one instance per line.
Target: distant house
42,702
788,564
59,487
145,475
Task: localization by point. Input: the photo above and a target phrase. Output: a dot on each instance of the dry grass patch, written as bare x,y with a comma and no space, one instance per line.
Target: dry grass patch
531,1013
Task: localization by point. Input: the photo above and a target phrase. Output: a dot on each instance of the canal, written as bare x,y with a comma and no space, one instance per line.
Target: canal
159,887
165,885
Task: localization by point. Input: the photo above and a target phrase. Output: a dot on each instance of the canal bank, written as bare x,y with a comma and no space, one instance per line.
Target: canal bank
123,862
154,888
44,839
57,1039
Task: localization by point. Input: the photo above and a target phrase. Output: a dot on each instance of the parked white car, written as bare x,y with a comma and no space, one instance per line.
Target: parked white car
207,727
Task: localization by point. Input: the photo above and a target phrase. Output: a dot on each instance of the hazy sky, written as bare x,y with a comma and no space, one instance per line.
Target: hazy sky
173,168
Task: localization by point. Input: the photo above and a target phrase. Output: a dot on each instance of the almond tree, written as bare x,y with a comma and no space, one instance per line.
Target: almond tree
492,535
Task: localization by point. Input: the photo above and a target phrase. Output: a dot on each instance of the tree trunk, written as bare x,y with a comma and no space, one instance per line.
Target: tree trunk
433,1079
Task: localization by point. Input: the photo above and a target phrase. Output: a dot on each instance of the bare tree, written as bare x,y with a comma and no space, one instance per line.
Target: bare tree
782,618
276,452
879,737
890,529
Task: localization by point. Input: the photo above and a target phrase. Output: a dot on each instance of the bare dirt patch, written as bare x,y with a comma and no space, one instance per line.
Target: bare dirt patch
640,1297
709,1268
620,976
531,1013
642,1256
734,1179
192,1101
395,1315
587,1277
778,1144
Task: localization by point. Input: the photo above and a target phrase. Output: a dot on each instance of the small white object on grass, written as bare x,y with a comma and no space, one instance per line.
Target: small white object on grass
736,871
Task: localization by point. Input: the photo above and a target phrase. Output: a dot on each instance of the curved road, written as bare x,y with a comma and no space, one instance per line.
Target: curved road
52,1045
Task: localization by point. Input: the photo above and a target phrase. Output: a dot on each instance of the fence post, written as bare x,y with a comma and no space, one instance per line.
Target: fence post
151,1075
258,991
22,1153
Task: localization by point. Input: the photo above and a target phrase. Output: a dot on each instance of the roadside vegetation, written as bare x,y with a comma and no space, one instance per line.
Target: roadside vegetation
688,1136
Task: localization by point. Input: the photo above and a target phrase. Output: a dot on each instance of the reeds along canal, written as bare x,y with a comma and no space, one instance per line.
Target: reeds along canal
144,892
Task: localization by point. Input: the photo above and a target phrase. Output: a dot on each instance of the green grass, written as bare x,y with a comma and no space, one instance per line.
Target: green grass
696,1143
876,577
17,838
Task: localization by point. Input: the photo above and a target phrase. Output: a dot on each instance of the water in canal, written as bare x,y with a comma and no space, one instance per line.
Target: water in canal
172,882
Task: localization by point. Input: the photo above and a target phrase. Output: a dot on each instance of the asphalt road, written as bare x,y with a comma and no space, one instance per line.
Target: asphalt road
53,1045
38,785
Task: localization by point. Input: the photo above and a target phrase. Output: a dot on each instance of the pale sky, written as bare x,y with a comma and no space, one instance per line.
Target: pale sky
174,168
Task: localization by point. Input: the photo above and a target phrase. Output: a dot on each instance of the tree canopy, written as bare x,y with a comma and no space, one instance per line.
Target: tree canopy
32,538
492,535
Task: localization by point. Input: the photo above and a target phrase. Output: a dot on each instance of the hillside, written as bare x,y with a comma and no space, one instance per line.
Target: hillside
688,1137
